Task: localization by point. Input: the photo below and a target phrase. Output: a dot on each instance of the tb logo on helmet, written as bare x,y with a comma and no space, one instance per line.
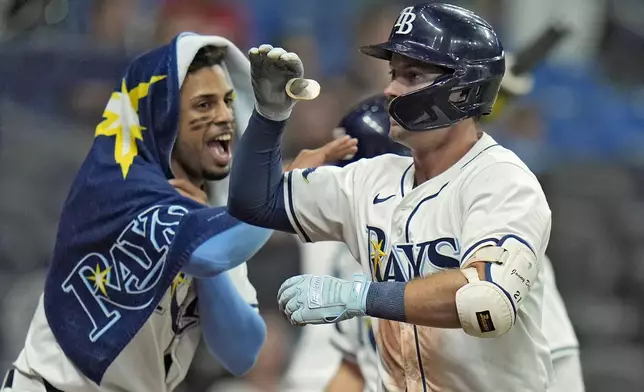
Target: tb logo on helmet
404,22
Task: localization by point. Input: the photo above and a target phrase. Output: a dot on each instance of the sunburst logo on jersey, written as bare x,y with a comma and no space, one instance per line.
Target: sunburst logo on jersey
121,119
377,255
179,280
99,277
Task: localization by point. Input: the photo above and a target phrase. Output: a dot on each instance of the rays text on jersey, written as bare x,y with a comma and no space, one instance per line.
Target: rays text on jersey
406,261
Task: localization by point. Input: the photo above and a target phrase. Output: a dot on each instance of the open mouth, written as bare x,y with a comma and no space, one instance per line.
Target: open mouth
219,148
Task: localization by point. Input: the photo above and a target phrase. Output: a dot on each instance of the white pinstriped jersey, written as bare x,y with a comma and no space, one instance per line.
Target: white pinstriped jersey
157,358
355,340
401,232
322,347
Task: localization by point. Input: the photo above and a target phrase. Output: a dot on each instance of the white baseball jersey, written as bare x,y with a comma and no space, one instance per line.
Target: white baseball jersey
321,348
401,232
157,358
355,340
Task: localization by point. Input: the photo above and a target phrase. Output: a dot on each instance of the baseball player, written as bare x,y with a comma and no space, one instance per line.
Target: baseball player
344,358
450,239
158,355
202,301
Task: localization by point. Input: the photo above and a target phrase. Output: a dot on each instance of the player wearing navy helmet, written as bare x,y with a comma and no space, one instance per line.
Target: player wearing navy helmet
462,52
351,344
451,240
368,123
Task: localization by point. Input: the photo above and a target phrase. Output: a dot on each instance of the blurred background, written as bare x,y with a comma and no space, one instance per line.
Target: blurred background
581,130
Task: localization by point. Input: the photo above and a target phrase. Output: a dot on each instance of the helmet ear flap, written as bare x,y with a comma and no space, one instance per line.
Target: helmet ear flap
461,95
486,96
466,95
429,107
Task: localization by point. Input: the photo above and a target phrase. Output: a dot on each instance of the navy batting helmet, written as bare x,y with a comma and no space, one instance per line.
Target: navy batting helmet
368,122
457,40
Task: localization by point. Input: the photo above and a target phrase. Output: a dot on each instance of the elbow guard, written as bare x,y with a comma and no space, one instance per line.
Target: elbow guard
488,308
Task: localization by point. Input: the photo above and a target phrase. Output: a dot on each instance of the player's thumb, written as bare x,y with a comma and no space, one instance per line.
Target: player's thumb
298,86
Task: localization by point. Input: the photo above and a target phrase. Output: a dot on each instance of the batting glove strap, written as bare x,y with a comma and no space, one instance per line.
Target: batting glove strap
357,296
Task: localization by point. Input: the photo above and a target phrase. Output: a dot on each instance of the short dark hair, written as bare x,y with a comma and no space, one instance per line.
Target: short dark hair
206,57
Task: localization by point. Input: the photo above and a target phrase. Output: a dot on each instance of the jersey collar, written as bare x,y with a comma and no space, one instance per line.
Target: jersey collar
407,180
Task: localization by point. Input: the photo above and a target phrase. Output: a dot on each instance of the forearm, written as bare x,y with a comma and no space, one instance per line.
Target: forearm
232,329
256,193
430,301
226,250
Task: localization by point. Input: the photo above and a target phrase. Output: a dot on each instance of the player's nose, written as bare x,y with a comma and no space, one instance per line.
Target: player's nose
223,113
393,89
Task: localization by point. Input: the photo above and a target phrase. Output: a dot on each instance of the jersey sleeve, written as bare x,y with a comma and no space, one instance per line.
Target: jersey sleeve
504,201
239,277
319,202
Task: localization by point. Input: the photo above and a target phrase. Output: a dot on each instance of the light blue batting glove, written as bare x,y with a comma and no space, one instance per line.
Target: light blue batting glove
310,299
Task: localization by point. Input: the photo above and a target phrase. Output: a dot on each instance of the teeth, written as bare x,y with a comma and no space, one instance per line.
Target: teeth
224,138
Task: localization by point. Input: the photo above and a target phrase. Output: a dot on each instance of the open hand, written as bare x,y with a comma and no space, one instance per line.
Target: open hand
329,153
271,69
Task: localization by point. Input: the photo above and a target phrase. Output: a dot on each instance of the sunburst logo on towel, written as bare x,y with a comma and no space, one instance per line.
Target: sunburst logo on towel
121,119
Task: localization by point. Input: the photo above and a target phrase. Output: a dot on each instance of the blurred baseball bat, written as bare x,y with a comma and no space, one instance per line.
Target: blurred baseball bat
537,51
518,80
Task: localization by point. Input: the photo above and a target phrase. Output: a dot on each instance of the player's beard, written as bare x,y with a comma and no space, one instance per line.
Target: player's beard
215,176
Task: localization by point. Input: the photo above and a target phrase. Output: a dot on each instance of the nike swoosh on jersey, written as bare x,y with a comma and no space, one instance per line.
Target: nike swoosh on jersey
377,200
307,172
